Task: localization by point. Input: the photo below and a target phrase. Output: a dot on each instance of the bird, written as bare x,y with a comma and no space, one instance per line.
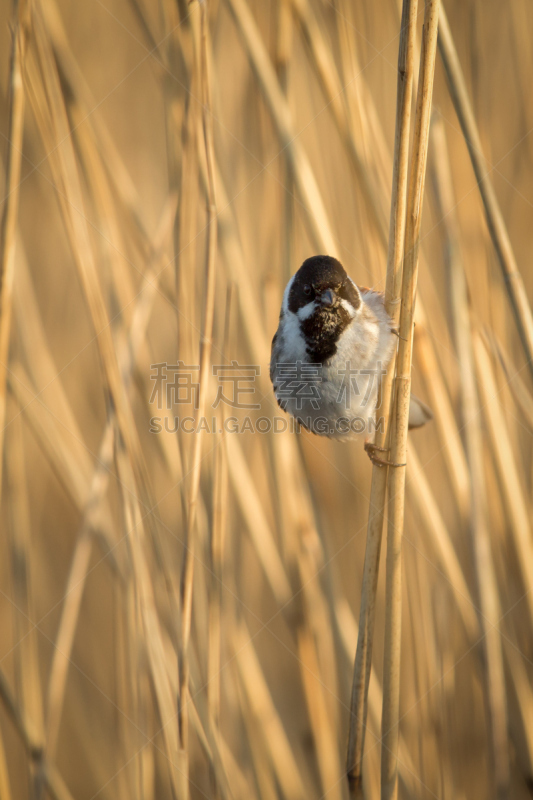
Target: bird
333,344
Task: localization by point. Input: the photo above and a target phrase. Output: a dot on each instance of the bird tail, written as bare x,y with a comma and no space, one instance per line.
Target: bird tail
419,413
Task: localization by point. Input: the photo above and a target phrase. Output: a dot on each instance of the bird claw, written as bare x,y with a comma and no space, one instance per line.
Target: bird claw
371,449
396,332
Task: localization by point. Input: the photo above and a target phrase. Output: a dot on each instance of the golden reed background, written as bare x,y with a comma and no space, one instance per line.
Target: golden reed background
106,236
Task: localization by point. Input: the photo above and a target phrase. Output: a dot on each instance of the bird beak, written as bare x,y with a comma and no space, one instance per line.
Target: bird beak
327,298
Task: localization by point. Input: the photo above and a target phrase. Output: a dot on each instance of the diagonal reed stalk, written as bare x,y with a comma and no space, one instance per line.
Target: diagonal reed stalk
45,91
33,745
402,394
495,222
363,656
84,541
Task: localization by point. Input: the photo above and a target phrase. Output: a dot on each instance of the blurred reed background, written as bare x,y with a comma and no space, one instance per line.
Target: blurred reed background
110,266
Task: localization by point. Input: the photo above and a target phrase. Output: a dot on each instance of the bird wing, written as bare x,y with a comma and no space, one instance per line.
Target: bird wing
272,360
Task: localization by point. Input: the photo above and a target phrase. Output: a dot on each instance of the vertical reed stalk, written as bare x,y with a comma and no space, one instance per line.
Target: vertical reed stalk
509,474
479,526
8,224
283,54
187,572
217,545
363,656
402,394
494,682
304,178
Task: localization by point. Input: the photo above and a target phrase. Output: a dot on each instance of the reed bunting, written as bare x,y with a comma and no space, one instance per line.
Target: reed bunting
334,342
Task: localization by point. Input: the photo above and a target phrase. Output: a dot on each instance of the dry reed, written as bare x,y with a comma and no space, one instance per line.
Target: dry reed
116,680
363,657
400,407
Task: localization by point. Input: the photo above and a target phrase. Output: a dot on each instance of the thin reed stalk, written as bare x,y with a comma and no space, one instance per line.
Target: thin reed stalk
33,744
402,394
518,519
363,656
216,551
326,70
445,420
280,749
284,39
8,223
486,578
42,82
503,454
305,181
521,395
26,657
489,603
495,222
23,566
82,552
187,571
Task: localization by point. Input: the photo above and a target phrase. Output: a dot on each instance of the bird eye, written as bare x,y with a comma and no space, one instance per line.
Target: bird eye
307,290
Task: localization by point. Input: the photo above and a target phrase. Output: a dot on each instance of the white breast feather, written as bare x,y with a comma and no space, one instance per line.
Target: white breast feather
365,343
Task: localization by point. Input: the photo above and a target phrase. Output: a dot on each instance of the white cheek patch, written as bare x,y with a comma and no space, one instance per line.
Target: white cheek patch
349,308
306,311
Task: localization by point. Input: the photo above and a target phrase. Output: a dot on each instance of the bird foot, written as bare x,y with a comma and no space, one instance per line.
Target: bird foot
371,449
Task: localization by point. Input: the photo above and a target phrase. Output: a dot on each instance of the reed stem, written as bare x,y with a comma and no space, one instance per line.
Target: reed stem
363,656
402,394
